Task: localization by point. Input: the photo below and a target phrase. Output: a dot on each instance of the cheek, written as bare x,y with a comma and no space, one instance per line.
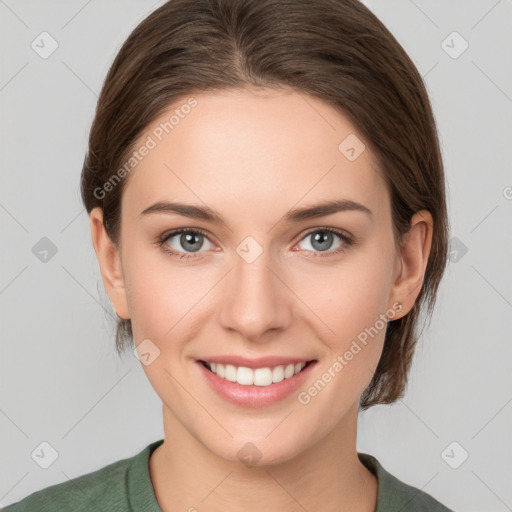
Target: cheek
351,297
162,295
354,311
352,302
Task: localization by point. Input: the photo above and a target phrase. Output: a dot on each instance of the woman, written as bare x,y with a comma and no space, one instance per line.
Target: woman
267,205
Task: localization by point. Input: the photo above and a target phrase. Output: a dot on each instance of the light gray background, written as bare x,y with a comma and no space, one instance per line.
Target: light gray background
61,379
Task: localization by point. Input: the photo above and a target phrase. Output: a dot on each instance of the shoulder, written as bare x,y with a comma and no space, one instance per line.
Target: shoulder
393,494
86,492
104,489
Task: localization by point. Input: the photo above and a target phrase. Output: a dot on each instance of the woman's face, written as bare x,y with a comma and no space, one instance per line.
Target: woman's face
261,283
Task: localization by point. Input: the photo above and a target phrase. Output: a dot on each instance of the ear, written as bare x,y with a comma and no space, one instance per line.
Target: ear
413,258
110,264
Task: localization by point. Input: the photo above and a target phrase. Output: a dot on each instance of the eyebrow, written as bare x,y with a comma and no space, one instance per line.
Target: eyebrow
296,215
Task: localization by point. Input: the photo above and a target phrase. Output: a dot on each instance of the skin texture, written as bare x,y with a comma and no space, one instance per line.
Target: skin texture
253,155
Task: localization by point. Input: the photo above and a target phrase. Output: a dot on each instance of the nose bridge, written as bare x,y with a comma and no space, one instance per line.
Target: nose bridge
254,301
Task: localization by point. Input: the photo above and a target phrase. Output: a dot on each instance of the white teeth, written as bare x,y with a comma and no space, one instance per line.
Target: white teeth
289,371
262,376
259,376
230,373
278,374
244,376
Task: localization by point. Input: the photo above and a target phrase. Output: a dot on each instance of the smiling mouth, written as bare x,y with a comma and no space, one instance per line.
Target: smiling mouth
264,376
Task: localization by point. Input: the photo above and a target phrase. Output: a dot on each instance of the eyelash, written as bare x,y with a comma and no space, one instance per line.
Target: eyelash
347,242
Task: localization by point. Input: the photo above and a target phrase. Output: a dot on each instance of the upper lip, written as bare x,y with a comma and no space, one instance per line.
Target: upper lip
259,362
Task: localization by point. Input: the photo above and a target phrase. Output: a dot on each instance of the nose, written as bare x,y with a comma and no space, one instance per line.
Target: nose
255,302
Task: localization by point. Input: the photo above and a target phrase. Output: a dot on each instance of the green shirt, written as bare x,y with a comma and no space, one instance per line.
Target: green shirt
126,485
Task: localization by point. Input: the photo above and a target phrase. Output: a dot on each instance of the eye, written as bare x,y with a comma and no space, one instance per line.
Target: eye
322,241
186,242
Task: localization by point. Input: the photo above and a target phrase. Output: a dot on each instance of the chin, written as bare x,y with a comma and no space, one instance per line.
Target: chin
258,451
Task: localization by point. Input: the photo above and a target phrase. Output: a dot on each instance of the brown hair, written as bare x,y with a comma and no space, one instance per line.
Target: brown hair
335,50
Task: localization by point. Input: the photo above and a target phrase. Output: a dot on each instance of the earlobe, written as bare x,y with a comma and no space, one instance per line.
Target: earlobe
414,254
110,264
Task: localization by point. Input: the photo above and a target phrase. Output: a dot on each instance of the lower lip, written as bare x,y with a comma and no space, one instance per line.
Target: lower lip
255,396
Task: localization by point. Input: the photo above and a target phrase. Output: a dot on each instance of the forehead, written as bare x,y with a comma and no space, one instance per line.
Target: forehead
261,148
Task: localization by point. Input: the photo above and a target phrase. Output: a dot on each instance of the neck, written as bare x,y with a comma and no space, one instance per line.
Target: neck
327,476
